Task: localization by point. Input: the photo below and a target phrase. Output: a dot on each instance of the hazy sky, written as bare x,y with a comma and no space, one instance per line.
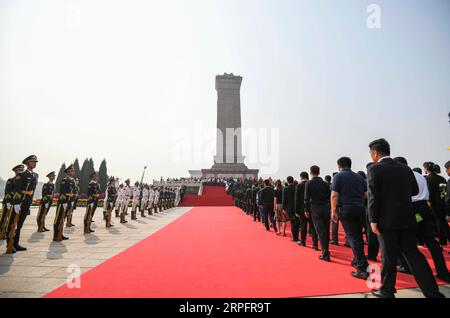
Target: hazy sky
121,79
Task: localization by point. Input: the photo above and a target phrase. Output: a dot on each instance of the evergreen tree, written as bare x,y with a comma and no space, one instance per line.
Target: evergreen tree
84,181
103,174
59,177
76,165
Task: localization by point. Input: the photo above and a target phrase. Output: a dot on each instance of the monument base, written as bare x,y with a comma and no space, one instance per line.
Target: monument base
230,170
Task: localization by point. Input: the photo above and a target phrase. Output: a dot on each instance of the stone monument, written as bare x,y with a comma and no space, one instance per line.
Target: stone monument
228,161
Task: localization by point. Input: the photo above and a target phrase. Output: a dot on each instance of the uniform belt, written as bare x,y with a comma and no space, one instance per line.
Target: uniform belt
69,194
27,192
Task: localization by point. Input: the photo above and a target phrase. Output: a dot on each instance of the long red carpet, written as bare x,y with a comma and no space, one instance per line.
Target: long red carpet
211,196
220,252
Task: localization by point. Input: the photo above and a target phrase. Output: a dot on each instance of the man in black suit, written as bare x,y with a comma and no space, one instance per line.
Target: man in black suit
317,203
300,212
447,197
267,202
289,207
390,188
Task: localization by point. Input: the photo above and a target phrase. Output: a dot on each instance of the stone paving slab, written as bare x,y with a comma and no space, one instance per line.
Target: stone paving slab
43,267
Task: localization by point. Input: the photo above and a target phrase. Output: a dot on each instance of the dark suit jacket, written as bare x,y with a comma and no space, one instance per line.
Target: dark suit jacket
300,197
447,198
390,188
317,193
289,200
267,195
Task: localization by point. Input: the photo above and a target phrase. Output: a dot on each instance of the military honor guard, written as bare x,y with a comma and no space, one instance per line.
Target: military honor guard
144,201
119,198
151,198
7,199
73,203
66,193
156,200
126,195
46,202
93,193
136,193
111,194
24,186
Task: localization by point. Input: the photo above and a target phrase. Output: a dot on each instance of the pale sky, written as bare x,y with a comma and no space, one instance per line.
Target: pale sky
119,79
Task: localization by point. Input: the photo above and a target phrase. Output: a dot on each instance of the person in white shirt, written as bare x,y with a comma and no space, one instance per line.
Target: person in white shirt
426,224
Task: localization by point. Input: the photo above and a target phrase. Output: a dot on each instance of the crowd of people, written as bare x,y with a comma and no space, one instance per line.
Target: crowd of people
20,189
395,207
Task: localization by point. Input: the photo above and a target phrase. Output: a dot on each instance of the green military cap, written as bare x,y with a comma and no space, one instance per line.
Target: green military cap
18,168
71,167
29,158
93,174
53,173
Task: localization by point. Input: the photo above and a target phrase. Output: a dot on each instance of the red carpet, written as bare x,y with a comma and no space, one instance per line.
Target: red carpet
220,252
212,196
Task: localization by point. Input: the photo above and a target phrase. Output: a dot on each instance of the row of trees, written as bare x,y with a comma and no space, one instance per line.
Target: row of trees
84,173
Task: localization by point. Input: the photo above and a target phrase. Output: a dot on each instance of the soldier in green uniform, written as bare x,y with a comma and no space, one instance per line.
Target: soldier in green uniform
73,203
46,202
7,199
24,187
66,192
93,193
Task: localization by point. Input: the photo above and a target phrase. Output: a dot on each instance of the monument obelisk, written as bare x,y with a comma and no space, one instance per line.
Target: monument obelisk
229,161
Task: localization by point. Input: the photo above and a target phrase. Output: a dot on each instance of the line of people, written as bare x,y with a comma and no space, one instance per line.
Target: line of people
395,207
19,192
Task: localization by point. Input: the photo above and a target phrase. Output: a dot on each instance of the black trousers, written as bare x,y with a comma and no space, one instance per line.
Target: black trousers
269,215
373,245
353,218
335,231
305,224
321,216
426,234
396,241
256,214
295,226
442,225
24,212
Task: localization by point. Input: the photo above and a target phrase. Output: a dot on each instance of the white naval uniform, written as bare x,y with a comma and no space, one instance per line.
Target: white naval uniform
136,195
126,198
144,199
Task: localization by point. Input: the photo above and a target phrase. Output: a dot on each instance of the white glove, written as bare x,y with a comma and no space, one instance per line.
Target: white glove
17,208
91,205
8,205
47,205
65,206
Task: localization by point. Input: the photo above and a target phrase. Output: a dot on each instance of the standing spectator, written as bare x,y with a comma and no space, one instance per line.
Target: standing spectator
391,186
267,201
436,185
300,213
289,207
349,190
317,202
280,215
